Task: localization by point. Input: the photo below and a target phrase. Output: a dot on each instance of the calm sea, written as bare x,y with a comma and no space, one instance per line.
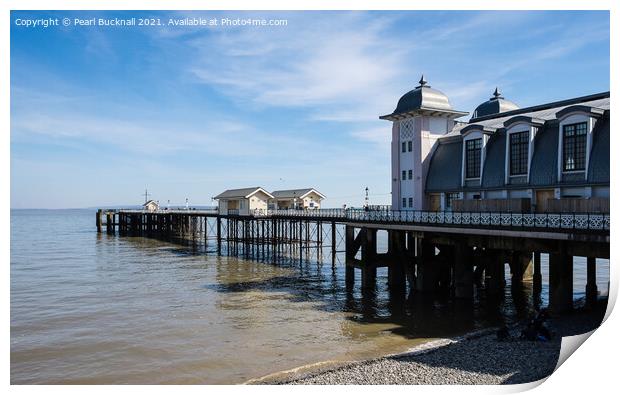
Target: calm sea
92,308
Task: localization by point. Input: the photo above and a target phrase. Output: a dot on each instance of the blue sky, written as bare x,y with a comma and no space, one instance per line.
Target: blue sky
98,113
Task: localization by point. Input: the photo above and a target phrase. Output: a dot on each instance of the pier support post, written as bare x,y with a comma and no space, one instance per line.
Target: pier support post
369,277
591,288
219,234
412,244
560,281
349,276
396,275
333,243
349,256
495,274
98,221
426,271
396,250
537,277
463,272
109,226
369,254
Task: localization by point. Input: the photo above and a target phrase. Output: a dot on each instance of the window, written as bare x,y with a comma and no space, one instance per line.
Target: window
404,174
519,148
574,146
410,174
472,158
404,202
404,146
410,146
449,198
410,202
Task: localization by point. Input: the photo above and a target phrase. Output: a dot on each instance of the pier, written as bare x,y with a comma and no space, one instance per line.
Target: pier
455,252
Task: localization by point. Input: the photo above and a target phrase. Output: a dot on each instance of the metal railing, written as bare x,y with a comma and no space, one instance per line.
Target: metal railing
473,219
529,221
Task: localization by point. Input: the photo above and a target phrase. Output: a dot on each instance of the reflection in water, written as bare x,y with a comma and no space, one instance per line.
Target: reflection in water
94,308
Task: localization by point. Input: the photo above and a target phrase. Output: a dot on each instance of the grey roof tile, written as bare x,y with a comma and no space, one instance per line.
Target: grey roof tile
599,168
236,193
291,193
494,163
544,166
444,172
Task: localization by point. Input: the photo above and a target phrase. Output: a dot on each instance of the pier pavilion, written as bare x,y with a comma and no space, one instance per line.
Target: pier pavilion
469,200
552,157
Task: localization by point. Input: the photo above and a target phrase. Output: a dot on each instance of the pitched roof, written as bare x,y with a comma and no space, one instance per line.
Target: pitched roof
293,193
241,193
149,202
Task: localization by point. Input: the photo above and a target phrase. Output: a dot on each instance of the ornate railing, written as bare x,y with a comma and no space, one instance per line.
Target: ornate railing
473,219
528,221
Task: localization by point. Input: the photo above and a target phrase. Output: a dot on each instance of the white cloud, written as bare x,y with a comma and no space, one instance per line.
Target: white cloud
335,68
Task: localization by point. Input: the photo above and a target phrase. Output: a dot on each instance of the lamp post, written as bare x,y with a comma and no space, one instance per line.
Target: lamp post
366,199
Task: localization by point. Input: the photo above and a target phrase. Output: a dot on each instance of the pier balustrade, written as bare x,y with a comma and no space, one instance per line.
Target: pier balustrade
533,221
579,221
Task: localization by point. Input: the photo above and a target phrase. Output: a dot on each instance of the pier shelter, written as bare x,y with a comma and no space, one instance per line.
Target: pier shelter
243,201
151,206
306,199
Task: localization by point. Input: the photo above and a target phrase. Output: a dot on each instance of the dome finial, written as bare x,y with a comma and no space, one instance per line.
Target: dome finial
497,94
423,82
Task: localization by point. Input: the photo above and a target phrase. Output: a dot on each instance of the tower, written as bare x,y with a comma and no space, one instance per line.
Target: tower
422,115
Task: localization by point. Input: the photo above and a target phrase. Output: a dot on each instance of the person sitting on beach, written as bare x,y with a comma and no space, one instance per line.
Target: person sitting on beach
539,325
536,328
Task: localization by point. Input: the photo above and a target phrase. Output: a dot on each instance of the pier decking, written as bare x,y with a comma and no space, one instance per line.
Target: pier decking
428,251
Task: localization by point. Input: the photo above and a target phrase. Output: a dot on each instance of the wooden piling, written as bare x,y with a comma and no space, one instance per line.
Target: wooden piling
98,221
591,288
560,281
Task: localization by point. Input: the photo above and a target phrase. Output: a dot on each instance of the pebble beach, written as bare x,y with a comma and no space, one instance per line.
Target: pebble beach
477,358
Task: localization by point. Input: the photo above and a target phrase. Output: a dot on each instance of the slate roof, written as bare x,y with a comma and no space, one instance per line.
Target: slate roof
444,172
239,193
494,164
599,168
545,111
495,105
292,193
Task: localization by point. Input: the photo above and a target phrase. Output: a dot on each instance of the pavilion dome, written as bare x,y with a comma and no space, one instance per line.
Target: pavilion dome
423,96
495,105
